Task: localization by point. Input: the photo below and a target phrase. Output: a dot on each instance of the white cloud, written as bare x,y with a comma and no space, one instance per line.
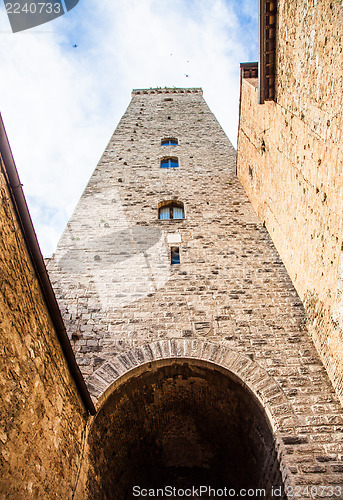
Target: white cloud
60,104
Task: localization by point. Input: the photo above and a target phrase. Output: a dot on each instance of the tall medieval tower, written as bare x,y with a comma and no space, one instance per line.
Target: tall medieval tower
184,322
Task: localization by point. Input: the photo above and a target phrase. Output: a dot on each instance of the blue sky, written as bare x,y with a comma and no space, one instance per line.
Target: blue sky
60,104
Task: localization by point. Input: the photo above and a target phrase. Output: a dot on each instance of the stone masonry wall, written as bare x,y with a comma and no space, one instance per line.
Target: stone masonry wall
118,291
42,418
290,163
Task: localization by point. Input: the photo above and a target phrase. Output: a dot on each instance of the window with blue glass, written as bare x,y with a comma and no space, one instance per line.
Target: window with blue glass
169,162
175,255
168,210
169,141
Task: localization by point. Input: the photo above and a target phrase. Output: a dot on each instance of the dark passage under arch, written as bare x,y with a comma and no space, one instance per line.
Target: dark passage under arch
184,425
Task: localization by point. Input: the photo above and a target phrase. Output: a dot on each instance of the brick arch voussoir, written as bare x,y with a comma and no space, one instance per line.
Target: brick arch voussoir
270,395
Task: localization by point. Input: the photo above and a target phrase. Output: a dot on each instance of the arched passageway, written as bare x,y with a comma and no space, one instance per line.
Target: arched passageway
183,424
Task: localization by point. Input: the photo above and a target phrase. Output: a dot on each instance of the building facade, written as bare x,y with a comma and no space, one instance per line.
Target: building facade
196,339
290,159
188,331
44,401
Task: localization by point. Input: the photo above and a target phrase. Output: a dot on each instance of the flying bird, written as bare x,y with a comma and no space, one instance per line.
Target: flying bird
75,45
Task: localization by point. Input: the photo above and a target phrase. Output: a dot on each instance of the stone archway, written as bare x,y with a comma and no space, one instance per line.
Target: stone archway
279,412
185,413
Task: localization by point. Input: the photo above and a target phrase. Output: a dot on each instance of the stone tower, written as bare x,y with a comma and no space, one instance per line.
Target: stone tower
184,322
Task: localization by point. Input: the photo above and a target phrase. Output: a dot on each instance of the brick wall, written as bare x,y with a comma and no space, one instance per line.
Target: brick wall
290,163
120,295
42,417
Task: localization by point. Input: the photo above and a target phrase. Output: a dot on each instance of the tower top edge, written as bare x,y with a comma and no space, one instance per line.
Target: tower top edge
168,90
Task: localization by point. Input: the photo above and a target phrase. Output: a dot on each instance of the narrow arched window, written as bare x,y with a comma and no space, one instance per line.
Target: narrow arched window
169,162
168,210
169,141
